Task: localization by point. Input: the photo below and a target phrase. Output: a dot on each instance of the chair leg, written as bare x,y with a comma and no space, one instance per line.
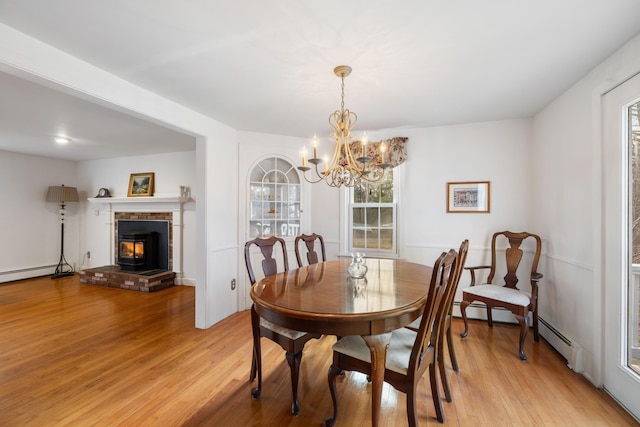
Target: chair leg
254,367
452,351
536,335
489,317
435,393
412,413
463,310
524,327
294,364
443,371
333,372
256,362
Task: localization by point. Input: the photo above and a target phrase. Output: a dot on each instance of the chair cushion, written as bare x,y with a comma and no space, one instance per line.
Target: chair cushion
289,333
499,293
398,354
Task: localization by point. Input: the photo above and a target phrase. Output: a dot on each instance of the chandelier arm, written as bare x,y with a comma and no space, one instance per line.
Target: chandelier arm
311,181
333,178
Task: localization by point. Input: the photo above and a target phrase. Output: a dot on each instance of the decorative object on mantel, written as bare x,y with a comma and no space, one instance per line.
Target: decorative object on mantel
141,184
185,191
352,162
103,192
62,195
468,197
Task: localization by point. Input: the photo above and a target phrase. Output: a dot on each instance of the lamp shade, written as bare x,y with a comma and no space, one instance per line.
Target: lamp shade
62,194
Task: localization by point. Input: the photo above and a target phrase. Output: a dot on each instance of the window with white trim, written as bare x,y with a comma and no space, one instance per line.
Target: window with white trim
373,217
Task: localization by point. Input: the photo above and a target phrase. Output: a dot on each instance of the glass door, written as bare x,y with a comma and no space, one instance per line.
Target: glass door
633,139
621,251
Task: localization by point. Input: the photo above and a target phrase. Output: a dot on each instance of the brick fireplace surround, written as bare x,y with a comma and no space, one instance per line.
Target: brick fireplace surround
143,209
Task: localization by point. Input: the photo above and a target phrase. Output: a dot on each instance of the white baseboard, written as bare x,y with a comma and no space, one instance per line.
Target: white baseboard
185,281
26,273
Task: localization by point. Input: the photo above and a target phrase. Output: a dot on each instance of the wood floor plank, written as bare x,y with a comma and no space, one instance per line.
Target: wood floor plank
75,354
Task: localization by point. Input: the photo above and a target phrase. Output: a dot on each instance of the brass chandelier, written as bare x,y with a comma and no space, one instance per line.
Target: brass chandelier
346,167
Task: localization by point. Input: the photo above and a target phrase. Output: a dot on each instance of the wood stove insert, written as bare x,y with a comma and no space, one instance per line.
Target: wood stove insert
138,250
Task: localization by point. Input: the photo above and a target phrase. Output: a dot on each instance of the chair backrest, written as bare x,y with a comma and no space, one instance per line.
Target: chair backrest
462,259
513,256
269,264
443,278
312,255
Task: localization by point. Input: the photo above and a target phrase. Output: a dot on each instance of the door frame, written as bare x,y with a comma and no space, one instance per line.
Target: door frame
618,379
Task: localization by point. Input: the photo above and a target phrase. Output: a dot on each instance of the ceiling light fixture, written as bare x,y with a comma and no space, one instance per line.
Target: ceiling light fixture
345,167
62,140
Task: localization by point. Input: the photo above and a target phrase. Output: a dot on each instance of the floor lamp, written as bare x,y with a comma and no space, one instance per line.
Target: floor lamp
62,195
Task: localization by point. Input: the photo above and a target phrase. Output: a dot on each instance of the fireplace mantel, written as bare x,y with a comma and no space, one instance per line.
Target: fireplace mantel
178,200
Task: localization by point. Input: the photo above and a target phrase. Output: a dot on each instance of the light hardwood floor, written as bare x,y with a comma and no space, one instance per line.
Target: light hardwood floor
74,354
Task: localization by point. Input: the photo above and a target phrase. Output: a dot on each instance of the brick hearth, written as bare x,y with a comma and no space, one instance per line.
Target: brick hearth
144,281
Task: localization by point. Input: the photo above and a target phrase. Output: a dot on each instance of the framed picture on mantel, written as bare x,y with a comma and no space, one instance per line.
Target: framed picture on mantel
468,196
141,184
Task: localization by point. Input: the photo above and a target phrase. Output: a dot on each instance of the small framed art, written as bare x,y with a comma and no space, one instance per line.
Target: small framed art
140,184
468,197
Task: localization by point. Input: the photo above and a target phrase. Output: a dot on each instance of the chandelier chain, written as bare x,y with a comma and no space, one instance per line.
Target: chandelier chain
342,103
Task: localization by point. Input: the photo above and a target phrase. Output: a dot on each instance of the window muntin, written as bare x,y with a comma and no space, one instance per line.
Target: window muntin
372,218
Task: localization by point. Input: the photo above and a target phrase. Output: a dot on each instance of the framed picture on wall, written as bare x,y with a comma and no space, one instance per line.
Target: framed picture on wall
141,184
468,197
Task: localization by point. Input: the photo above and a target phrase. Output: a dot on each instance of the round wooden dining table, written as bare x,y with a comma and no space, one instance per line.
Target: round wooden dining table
322,298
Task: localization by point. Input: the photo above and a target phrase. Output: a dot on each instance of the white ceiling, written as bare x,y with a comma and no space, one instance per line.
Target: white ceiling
266,66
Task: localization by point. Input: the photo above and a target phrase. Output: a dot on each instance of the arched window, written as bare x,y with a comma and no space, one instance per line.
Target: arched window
274,199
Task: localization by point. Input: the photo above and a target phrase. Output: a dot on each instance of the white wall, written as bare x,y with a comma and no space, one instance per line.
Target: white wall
567,181
31,226
217,201
497,152
170,172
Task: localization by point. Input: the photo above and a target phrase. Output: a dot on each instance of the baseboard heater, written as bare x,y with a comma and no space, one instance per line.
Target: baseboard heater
26,273
569,349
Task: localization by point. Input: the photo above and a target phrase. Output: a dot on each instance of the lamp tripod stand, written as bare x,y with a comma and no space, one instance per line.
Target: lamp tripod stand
62,195
63,268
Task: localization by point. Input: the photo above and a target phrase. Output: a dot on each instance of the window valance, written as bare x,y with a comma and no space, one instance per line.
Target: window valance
395,152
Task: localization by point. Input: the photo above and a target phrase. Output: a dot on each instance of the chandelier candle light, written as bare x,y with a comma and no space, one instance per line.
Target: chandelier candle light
345,168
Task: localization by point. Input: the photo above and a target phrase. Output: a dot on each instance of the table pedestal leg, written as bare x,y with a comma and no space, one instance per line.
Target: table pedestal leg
378,345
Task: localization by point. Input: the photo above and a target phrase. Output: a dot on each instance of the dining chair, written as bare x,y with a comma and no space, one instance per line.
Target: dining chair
446,323
291,341
508,296
309,241
409,353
